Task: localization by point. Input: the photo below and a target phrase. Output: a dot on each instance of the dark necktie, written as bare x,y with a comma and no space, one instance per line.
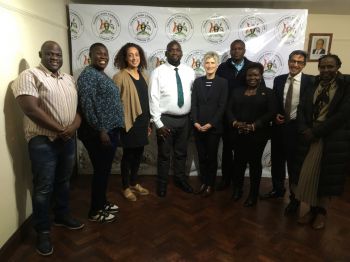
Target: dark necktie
288,102
180,93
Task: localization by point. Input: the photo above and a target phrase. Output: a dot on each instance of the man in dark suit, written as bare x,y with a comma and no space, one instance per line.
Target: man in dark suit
234,70
319,50
289,90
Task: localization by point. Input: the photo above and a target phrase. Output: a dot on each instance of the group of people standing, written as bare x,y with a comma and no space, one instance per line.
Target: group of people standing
305,117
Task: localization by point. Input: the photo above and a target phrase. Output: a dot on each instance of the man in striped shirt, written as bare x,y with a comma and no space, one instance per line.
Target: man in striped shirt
48,99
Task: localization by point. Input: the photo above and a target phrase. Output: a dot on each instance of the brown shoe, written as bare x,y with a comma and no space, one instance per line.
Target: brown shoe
139,190
129,195
319,222
306,219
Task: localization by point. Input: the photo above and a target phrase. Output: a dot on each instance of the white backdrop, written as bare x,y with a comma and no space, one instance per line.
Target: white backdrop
270,35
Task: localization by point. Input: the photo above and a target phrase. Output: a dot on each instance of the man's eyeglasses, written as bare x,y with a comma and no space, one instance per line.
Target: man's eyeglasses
296,62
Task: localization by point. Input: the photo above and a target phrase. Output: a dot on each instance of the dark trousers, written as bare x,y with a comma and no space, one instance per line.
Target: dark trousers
177,141
101,158
130,165
207,147
227,168
52,166
248,150
283,150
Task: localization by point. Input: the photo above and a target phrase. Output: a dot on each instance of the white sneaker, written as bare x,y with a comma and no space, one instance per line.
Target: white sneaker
102,216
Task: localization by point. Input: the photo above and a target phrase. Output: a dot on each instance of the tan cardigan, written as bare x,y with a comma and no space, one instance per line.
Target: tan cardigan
129,97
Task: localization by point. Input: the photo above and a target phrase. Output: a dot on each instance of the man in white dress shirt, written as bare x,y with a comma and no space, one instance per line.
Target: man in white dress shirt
170,104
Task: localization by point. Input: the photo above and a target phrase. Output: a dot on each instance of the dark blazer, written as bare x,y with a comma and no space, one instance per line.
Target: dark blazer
335,132
261,112
323,51
235,78
279,84
208,106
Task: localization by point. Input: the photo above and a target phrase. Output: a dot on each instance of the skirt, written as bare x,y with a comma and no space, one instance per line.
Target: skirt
309,175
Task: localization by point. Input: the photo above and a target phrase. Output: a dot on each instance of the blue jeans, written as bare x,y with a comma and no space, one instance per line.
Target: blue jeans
52,166
101,159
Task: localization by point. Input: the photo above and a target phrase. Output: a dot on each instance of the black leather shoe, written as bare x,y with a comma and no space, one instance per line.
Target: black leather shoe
184,186
208,191
222,185
273,194
43,244
161,192
237,194
292,207
250,201
68,222
201,189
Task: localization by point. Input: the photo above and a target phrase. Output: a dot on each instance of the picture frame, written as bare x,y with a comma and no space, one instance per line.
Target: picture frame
319,45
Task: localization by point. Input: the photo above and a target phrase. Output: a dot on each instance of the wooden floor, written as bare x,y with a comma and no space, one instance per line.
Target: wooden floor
184,227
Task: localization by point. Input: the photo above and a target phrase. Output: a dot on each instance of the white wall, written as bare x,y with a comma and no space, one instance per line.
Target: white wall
24,26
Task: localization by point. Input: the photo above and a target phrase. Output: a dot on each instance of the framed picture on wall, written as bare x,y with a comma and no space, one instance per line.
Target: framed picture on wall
319,44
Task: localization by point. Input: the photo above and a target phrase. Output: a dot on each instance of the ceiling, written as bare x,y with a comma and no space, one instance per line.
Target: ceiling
337,7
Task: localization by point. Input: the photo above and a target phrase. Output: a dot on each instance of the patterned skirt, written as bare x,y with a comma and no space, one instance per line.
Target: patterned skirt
309,175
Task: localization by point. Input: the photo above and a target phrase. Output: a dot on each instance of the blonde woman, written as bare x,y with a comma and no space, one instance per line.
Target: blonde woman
209,96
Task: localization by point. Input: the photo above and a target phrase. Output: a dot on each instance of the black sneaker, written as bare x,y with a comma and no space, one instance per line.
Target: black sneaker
102,216
68,222
43,244
111,208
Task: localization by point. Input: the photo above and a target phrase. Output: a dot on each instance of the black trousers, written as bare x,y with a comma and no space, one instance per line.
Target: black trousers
130,165
101,158
207,147
227,162
248,150
283,150
177,142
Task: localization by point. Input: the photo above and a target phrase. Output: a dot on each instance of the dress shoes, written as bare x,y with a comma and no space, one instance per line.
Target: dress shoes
319,222
208,191
237,194
161,192
201,189
184,186
273,194
292,207
222,185
250,202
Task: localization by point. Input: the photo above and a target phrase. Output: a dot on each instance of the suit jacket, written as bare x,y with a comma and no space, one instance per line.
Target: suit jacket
208,106
235,78
323,51
279,84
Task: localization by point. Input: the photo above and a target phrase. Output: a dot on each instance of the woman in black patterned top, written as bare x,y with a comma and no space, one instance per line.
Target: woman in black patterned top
102,119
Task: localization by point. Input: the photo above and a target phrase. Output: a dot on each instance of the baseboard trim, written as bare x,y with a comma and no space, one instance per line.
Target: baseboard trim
6,251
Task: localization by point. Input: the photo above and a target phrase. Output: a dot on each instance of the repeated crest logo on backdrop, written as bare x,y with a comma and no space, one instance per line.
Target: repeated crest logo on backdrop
179,27
143,27
194,59
82,58
288,29
272,62
156,59
106,25
251,26
226,55
76,25
216,29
